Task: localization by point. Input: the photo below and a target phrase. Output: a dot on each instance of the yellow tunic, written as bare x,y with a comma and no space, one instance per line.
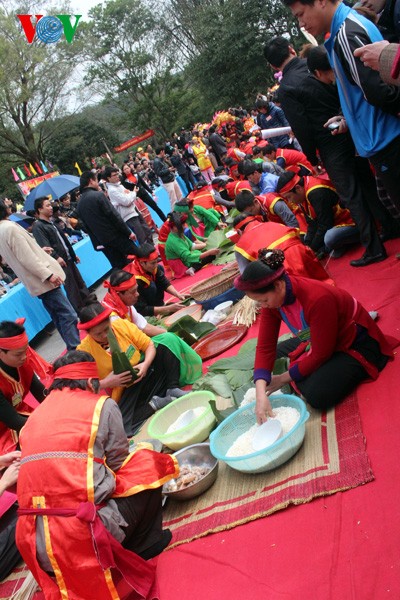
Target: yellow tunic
131,340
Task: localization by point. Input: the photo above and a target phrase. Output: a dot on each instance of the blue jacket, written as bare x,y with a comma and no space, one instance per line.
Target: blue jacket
369,105
274,118
268,183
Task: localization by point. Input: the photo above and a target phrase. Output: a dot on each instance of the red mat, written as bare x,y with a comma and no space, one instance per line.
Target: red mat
332,458
340,547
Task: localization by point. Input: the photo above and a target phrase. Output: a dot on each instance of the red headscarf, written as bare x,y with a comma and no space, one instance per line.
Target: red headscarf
113,300
40,366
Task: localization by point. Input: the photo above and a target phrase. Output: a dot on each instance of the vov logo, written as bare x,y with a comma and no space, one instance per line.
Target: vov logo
49,29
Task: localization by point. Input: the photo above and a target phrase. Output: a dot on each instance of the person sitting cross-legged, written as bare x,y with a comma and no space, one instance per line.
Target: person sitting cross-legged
329,226
90,512
158,369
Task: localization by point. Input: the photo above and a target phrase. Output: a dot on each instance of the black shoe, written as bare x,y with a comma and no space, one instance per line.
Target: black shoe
158,547
367,259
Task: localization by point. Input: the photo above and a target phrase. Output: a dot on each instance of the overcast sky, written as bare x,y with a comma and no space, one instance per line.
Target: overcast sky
83,6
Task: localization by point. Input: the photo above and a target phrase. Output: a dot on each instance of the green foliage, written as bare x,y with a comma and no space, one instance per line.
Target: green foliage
33,80
77,139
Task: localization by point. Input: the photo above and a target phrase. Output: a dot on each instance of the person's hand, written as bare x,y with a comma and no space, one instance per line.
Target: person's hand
77,260
168,309
55,280
199,245
370,54
47,249
277,381
8,459
112,380
337,120
263,407
132,237
212,252
61,261
141,369
9,476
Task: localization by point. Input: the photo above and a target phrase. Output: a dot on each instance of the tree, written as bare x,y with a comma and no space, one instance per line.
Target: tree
78,140
34,84
223,42
131,64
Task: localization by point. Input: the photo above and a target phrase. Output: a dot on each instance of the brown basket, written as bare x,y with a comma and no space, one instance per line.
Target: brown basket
215,285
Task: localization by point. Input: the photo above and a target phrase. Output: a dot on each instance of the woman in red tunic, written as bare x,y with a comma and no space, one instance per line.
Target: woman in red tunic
336,344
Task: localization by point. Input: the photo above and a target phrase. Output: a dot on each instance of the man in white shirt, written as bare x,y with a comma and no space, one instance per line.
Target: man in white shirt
124,201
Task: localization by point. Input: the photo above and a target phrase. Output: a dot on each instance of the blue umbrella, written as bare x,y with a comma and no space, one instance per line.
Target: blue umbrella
24,220
54,186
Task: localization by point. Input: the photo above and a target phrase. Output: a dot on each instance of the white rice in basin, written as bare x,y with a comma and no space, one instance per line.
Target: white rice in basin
243,445
184,421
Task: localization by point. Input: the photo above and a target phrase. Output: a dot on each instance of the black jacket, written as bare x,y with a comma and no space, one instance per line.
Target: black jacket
102,222
162,171
308,104
47,234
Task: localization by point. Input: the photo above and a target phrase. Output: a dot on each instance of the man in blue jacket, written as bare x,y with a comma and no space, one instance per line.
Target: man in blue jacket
369,105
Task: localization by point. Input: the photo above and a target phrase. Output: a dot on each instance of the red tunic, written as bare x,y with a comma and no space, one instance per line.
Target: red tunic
163,234
234,187
293,160
268,202
15,392
341,215
205,198
332,315
57,473
299,260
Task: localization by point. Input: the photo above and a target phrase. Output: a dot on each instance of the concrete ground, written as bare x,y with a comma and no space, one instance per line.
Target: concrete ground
49,343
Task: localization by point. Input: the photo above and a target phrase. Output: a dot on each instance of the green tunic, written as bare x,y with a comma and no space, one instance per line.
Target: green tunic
181,248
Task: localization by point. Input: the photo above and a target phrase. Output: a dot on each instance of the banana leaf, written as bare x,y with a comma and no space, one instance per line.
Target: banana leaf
217,384
224,258
187,326
220,415
241,362
237,379
217,239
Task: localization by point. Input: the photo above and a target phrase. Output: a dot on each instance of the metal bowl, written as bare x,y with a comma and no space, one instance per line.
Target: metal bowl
197,455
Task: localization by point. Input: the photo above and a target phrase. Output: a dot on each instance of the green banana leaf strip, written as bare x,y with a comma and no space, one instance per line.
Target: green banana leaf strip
218,239
187,326
224,258
218,384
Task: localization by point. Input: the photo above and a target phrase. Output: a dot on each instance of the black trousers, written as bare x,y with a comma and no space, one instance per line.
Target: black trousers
162,375
355,184
9,553
186,178
75,287
149,200
118,251
140,229
143,513
386,163
338,376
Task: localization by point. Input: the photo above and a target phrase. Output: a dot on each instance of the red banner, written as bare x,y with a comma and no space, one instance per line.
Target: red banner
135,140
25,187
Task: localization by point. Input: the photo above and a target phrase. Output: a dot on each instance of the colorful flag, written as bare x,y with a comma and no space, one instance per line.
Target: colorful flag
38,169
16,178
32,169
77,167
50,165
27,171
45,169
20,173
